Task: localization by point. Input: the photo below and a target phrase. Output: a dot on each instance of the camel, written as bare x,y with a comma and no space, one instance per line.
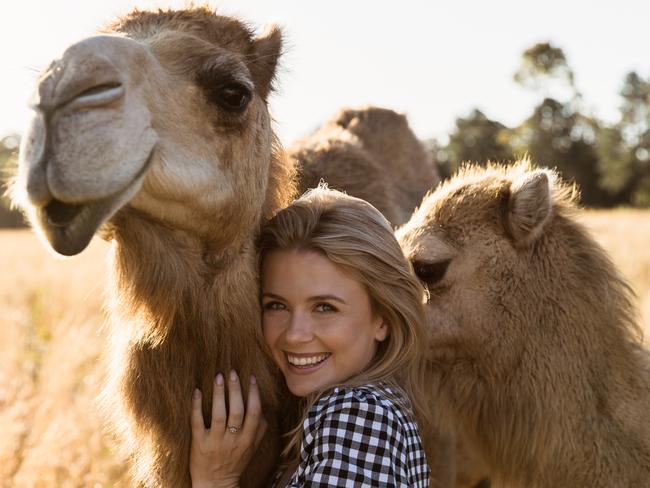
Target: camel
370,153
533,335
156,135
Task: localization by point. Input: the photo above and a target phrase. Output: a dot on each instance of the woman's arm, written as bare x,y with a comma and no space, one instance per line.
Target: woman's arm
219,455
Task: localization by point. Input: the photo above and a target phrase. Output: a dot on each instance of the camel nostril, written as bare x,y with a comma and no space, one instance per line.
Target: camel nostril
60,214
98,95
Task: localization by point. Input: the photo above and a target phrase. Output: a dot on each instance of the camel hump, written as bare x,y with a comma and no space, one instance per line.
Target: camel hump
375,150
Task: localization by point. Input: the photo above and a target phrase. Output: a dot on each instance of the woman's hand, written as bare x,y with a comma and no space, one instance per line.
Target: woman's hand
218,455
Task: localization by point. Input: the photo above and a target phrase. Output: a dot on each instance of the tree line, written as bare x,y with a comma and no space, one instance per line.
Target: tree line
610,163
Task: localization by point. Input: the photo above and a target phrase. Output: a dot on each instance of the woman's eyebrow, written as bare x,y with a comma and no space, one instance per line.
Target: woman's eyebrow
271,295
327,297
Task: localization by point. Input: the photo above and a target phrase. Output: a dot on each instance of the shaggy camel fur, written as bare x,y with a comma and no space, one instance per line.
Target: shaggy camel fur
533,332
370,153
160,138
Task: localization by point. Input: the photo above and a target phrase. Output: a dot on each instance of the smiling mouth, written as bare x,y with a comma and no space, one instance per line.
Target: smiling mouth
306,362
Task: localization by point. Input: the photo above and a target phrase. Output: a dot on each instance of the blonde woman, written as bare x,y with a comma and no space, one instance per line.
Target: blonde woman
343,319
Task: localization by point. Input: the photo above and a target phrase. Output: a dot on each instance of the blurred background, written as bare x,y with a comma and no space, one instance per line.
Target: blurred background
566,82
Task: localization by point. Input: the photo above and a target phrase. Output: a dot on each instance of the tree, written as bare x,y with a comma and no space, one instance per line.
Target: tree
478,139
544,68
624,149
557,136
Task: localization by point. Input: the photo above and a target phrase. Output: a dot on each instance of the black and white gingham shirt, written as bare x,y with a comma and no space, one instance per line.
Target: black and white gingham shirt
361,436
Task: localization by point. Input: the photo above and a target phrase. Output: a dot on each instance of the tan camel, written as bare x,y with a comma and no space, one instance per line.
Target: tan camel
533,332
370,153
157,135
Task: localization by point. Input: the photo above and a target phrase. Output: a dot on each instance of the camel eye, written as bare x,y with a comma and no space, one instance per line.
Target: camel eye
233,97
431,273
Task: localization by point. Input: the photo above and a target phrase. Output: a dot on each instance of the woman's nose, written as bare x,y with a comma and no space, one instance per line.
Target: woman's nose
300,329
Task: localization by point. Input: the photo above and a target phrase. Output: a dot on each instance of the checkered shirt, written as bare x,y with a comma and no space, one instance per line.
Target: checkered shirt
362,436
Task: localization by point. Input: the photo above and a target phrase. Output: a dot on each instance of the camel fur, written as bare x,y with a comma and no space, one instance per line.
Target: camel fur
370,153
534,335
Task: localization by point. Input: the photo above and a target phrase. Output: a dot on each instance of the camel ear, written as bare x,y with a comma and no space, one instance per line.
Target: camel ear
267,49
529,207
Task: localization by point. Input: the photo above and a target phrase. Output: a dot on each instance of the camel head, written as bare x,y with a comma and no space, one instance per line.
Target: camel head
163,113
515,283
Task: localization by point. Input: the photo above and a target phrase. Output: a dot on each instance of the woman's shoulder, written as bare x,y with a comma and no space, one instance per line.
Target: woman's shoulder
381,402
363,435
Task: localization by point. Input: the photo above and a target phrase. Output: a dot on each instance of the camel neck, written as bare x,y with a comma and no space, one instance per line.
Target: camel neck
169,275
178,296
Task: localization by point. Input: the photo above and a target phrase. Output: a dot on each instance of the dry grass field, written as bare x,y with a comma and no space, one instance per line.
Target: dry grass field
52,338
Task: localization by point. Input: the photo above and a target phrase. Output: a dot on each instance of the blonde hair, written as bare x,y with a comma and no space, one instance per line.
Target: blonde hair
357,237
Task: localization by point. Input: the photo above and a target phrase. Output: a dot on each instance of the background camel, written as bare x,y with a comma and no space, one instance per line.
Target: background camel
160,139
370,153
532,332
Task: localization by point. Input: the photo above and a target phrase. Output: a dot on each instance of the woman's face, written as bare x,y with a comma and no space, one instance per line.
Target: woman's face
317,320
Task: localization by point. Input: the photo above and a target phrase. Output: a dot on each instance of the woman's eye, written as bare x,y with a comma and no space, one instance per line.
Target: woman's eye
325,307
431,273
274,306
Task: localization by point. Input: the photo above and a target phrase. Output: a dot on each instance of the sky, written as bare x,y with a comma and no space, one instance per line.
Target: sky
432,60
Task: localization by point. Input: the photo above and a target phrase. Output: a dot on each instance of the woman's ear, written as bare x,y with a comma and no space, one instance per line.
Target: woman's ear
382,330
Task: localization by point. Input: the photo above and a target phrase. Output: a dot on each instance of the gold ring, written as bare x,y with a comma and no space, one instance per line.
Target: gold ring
232,429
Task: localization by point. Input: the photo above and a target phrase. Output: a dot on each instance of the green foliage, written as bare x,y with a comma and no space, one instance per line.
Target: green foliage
624,149
562,138
545,68
609,163
478,139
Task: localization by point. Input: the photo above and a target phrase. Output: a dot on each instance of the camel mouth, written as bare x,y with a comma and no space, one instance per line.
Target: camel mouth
61,214
69,227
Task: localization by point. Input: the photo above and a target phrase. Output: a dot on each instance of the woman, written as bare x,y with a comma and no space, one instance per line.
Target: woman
343,319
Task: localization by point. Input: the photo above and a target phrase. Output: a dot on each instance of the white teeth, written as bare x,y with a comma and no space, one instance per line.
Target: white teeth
296,361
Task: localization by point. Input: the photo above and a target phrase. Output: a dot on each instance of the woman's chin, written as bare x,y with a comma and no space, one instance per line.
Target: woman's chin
301,386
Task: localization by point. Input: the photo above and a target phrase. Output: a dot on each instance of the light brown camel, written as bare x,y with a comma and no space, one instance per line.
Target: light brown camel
370,153
533,332
157,135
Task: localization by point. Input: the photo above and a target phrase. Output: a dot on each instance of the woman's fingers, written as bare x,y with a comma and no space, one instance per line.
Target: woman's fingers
253,410
261,430
235,403
218,405
198,425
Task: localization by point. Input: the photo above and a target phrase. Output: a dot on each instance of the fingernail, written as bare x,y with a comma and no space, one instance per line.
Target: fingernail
219,379
233,376
253,380
196,394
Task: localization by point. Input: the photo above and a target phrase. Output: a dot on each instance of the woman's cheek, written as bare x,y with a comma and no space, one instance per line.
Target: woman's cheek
271,329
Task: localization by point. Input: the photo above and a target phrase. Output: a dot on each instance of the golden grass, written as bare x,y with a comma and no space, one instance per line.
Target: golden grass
51,343
625,235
